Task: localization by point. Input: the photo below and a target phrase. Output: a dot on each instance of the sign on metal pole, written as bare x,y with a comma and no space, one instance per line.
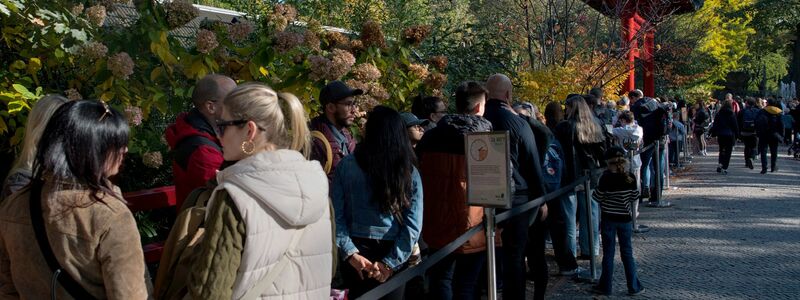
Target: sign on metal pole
488,169
488,185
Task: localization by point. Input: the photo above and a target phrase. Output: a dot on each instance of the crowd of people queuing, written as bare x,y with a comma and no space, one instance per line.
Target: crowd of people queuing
298,208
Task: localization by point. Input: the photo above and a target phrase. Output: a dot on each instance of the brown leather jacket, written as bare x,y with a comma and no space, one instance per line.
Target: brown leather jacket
96,243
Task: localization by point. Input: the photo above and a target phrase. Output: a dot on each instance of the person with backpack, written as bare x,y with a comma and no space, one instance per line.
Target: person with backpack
197,152
331,135
747,130
701,121
616,192
271,193
654,121
442,168
69,234
377,196
726,131
769,129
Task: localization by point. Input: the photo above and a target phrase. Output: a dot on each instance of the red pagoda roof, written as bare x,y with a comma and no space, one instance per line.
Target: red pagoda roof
645,8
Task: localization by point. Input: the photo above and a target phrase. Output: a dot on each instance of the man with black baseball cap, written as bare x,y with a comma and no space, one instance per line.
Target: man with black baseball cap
338,113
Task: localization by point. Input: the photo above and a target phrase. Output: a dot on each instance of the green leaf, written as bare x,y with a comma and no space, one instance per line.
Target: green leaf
23,91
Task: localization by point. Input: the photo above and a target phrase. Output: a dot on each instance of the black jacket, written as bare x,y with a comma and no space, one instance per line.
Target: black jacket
584,157
522,148
725,124
653,120
769,126
448,134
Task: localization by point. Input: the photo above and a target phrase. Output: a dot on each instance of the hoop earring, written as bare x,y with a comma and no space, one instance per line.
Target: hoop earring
248,147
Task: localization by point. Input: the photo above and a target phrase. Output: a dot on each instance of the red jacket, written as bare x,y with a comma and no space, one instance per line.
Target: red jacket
197,153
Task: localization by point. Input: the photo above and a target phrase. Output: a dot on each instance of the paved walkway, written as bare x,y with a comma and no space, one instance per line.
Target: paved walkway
734,236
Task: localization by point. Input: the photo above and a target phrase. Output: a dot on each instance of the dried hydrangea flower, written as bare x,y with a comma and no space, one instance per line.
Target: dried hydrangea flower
311,41
282,16
121,65
180,12
439,62
436,80
96,14
342,62
366,72
152,159
287,40
73,94
94,50
77,9
377,91
414,35
372,35
319,67
239,32
418,71
206,41
134,115
337,40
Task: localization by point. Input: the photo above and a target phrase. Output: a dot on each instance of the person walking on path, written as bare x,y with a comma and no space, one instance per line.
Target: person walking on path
769,129
193,139
71,217
700,122
747,130
725,128
616,192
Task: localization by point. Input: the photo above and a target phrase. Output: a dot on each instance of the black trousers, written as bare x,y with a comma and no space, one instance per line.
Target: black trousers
374,250
537,263
515,239
750,143
773,151
725,149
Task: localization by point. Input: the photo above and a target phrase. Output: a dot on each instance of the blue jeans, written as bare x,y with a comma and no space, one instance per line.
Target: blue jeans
624,231
569,209
647,158
456,276
583,234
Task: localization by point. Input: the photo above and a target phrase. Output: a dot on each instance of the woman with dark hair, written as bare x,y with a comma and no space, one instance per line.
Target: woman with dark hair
553,114
377,198
582,140
701,121
726,130
71,219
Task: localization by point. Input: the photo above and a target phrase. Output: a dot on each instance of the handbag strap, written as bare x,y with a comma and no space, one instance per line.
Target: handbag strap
37,220
269,279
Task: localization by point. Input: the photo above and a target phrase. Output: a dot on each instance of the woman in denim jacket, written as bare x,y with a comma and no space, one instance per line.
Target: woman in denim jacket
376,231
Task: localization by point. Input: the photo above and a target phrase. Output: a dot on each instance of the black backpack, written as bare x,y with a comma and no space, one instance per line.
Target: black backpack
749,117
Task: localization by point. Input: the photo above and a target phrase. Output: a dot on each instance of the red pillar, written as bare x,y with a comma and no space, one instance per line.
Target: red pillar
649,63
630,45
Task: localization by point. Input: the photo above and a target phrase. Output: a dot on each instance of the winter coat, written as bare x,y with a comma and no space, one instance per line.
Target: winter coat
725,124
522,149
271,196
357,215
629,137
318,151
96,243
197,153
769,126
442,166
654,121
700,120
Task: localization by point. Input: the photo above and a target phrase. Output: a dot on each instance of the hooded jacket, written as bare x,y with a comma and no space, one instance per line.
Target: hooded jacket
271,196
96,243
197,152
653,120
442,166
725,124
769,126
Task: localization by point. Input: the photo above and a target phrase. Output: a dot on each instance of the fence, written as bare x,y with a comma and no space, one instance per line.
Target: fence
401,278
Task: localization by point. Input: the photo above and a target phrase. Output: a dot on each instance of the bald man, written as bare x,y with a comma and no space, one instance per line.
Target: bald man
528,183
193,137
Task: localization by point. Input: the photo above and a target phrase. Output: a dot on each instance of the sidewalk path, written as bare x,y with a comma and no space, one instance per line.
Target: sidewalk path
734,236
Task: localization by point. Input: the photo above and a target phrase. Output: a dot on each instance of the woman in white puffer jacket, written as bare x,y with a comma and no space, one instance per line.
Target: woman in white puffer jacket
269,217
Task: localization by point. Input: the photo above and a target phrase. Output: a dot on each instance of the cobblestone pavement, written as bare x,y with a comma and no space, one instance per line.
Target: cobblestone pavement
734,236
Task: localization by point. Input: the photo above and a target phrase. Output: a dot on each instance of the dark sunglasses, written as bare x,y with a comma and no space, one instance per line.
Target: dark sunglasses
222,124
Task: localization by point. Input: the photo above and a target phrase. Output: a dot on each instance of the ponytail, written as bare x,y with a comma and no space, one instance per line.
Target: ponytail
296,123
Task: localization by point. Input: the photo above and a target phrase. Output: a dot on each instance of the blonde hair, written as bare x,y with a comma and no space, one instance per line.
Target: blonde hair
37,120
281,115
586,128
